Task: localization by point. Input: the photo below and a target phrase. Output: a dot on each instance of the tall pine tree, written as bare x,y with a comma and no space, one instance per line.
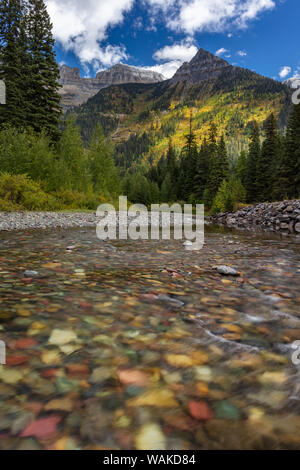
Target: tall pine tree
73,155
104,174
287,182
202,171
219,167
171,160
268,160
11,12
44,112
252,164
169,185
28,67
188,164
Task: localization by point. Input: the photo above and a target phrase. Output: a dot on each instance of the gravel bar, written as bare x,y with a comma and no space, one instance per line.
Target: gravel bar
10,221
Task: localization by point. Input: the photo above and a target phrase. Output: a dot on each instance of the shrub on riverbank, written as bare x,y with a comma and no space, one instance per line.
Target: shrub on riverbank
37,175
19,192
230,194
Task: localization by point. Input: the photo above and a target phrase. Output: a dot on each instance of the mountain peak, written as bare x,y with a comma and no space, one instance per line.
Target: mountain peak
204,66
204,56
122,73
76,90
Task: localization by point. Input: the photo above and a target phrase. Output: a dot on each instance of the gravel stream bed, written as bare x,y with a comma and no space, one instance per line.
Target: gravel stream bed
10,221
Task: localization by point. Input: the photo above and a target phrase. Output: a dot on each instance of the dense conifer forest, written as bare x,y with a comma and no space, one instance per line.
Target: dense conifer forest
232,141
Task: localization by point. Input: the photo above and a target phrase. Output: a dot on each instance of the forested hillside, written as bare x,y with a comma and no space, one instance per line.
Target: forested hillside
214,134
141,118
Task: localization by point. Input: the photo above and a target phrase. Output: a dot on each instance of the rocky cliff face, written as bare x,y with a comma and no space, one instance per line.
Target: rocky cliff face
293,82
76,90
122,73
68,74
204,66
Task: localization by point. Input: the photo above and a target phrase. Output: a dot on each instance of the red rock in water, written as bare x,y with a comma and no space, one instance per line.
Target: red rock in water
41,428
177,275
180,420
85,305
200,410
16,360
78,371
27,280
25,343
132,376
149,296
49,373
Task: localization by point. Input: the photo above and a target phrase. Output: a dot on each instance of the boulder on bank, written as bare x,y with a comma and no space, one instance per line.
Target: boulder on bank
281,217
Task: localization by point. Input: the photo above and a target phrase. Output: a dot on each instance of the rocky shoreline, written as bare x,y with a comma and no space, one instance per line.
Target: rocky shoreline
280,217
12,221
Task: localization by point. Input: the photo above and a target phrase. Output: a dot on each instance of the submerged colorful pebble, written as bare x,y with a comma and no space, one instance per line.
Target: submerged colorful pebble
146,345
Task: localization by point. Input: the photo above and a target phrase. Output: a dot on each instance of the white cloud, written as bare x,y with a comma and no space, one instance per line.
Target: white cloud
252,8
173,57
296,74
168,69
161,4
242,53
221,51
285,71
183,52
191,16
81,26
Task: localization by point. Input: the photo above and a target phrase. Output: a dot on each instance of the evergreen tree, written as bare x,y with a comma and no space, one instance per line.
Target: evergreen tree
223,201
28,67
202,171
171,160
241,167
188,165
11,62
182,177
222,158
170,180
229,194
268,161
168,190
252,164
25,66
219,167
104,174
238,191
210,191
212,140
161,170
138,189
44,112
154,193
287,182
72,153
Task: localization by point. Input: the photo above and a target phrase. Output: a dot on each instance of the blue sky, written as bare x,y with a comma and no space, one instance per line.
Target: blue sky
262,35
